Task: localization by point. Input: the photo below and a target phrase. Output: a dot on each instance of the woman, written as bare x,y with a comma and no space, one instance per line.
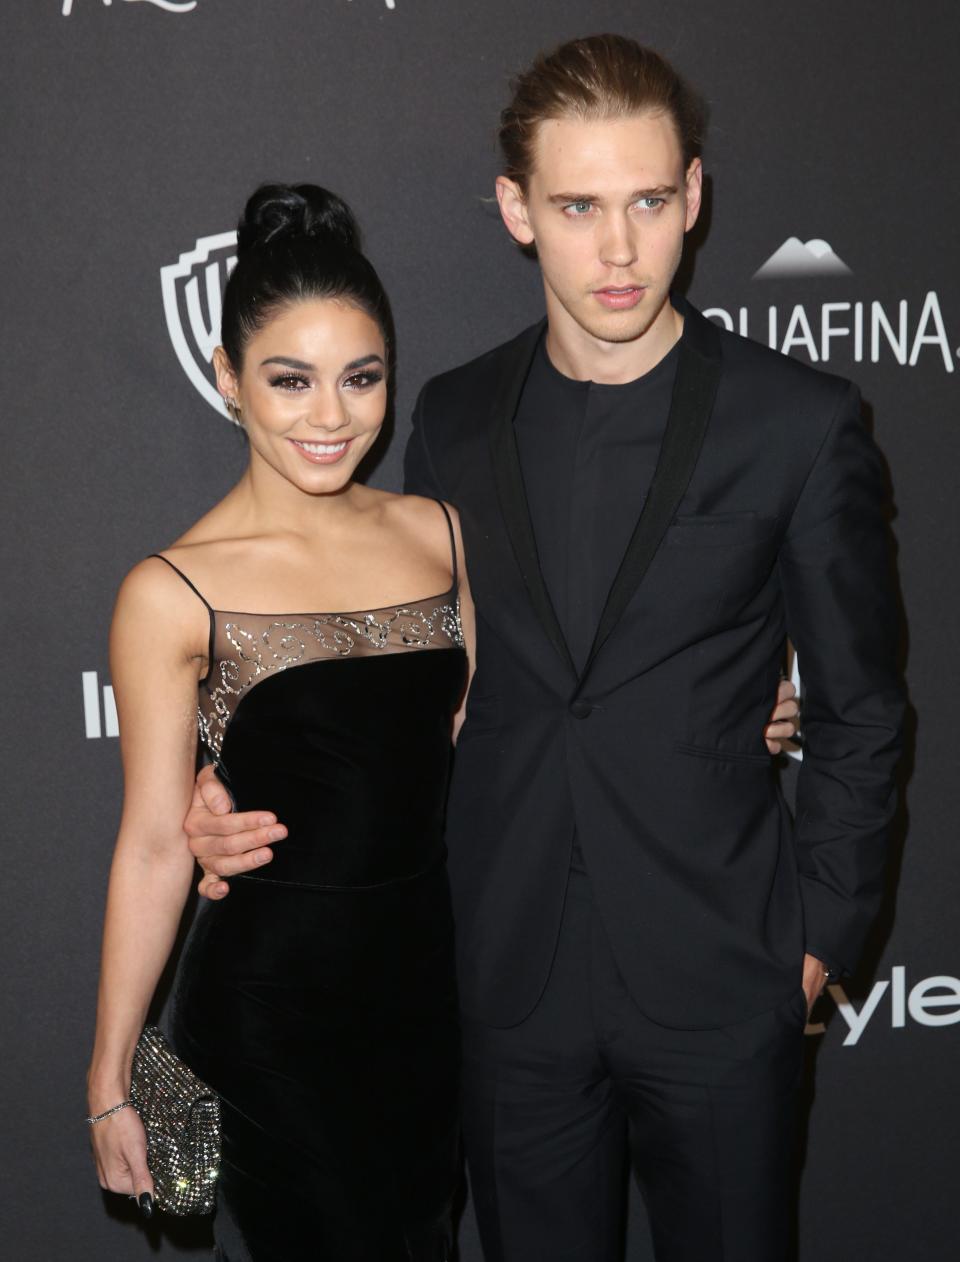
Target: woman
319,1000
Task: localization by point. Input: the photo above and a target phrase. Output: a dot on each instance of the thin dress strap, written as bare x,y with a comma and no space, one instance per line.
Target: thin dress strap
453,544
206,604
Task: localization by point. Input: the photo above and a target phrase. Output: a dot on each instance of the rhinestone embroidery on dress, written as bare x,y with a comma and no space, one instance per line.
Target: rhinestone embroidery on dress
245,654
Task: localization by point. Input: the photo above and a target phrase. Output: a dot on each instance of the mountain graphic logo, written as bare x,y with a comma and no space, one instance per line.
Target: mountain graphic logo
192,291
802,258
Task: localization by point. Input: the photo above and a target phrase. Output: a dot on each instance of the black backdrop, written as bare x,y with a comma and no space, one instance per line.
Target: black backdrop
133,130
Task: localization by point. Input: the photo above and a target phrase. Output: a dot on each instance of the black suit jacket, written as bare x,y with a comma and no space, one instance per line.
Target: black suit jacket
764,519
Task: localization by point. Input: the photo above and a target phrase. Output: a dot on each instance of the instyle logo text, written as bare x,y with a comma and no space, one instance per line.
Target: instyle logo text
931,1001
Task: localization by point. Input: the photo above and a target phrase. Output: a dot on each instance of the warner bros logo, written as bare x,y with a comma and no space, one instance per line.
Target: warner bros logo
169,6
192,305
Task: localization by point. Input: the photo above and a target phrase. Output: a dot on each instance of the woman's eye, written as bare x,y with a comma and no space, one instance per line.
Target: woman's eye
290,381
363,380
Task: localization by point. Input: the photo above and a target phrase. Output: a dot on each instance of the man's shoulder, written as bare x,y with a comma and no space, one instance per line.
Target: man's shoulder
472,382
774,377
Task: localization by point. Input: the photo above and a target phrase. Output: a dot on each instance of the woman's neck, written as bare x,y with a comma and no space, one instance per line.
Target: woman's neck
265,502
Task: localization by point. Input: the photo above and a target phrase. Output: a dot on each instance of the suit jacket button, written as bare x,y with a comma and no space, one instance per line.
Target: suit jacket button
581,709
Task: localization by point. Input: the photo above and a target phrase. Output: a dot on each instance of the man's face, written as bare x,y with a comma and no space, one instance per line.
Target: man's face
607,206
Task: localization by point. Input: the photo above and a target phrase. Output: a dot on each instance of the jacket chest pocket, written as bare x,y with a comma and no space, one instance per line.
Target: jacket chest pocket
720,530
720,562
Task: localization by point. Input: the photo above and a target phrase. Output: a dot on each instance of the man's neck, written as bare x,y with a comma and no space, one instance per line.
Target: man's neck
578,354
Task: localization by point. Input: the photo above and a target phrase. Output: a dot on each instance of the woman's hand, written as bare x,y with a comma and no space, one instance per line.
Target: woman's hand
120,1152
784,721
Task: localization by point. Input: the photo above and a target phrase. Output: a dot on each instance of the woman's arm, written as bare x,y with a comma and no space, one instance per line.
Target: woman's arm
154,667
468,621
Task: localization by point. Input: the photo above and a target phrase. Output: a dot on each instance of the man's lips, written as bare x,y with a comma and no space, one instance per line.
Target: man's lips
619,297
322,453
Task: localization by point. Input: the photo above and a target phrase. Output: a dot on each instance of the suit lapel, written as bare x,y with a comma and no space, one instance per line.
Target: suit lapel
694,392
508,475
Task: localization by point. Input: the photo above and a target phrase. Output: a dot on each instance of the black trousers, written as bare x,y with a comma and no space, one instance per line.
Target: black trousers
554,1106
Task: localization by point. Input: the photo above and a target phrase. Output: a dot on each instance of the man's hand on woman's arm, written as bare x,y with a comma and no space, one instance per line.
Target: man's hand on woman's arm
223,843
226,844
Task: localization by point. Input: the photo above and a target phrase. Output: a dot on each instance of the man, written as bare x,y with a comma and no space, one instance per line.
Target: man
649,507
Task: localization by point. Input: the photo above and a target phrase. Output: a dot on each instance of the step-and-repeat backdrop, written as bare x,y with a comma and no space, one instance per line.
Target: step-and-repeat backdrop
133,131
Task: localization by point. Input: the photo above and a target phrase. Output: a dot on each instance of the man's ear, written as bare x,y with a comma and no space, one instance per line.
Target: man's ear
694,192
513,210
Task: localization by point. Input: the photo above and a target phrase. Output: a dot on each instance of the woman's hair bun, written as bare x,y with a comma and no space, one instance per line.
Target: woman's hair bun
283,211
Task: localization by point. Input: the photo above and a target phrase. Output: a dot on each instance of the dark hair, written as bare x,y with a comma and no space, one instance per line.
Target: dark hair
600,76
297,241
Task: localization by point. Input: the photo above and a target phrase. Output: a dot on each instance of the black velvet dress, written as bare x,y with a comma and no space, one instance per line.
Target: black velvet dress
319,998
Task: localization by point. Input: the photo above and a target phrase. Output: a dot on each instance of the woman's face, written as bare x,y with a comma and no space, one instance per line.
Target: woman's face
312,392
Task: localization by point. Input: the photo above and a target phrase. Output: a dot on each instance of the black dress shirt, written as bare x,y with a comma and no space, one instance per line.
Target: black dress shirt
588,452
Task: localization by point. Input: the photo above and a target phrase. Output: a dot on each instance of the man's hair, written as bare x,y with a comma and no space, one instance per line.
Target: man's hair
600,76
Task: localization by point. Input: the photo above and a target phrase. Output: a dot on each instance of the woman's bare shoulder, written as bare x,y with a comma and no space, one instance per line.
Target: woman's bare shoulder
419,511
150,585
426,528
155,610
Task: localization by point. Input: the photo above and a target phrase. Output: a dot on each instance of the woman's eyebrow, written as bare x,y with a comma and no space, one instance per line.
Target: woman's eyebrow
288,363
354,364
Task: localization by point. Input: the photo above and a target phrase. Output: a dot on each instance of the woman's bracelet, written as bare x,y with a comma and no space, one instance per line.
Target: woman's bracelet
124,1104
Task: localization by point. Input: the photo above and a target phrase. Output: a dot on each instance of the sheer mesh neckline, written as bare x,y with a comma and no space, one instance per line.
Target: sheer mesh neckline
248,648
333,613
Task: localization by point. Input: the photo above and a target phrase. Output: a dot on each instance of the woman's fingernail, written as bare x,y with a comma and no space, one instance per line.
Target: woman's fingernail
145,1201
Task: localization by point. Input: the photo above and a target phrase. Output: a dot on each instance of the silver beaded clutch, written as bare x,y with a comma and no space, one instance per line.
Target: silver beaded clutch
181,1116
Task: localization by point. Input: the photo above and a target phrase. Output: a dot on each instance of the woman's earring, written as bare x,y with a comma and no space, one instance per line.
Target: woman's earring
234,409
